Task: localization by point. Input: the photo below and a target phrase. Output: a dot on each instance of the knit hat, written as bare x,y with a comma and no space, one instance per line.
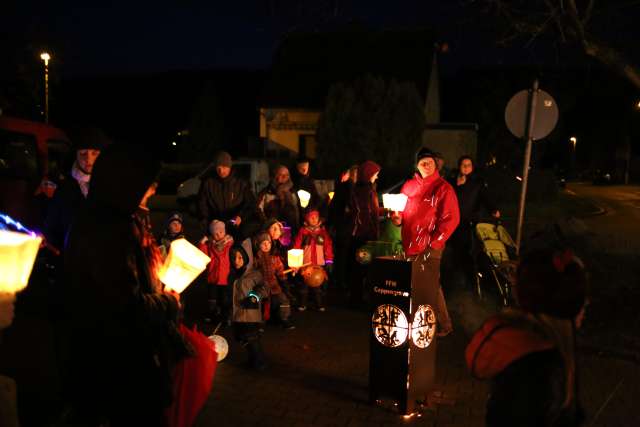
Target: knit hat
427,152
88,138
268,223
261,237
174,217
215,226
223,159
366,170
551,282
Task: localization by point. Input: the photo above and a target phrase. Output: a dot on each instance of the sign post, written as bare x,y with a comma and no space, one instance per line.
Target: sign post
531,114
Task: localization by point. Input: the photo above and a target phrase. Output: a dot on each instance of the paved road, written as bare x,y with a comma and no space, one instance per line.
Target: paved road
618,230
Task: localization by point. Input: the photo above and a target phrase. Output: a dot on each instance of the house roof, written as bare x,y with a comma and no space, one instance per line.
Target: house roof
307,64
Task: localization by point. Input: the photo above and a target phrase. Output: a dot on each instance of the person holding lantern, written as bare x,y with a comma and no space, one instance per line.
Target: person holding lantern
428,220
121,338
364,210
279,200
316,243
216,246
272,269
302,180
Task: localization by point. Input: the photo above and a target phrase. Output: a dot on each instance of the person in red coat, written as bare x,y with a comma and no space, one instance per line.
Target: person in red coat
429,218
217,246
316,243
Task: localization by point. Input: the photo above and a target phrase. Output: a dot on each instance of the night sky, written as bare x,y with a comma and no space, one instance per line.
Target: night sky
159,36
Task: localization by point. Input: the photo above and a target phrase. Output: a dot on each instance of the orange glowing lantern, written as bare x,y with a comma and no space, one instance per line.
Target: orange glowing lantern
184,263
295,258
304,197
17,254
394,202
331,194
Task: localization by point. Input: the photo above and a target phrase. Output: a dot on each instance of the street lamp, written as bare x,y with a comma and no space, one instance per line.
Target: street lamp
46,57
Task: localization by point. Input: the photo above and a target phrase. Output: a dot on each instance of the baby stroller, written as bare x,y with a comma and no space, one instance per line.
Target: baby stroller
496,261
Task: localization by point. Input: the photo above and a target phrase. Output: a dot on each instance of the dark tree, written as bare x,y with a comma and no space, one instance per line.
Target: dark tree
206,128
370,119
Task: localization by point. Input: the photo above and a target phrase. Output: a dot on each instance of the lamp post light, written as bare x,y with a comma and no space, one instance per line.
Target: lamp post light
46,58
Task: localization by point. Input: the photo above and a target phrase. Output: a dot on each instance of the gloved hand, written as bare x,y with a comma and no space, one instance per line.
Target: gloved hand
329,267
250,302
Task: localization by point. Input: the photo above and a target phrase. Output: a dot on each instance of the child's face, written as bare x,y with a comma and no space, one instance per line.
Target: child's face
175,227
218,234
238,261
275,231
313,219
265,246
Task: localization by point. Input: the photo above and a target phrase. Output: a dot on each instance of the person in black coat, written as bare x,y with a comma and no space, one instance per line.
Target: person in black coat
228,198
302,180
473,199
72,191
120,335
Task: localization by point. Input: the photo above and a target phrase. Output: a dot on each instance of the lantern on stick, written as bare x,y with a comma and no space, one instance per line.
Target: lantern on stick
295,258
304,197
394,202
184,263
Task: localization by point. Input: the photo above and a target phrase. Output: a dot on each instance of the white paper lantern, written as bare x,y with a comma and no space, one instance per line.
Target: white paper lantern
184,263
394,202
304,197
295,258
17,254
222,347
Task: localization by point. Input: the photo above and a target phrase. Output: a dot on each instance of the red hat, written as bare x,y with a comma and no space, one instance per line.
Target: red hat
551,282
367,169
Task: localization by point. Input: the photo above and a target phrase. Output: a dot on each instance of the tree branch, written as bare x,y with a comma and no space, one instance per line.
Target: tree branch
613,59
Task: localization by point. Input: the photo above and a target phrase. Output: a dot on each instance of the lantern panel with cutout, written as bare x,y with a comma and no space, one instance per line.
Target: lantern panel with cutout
390,325
423,327
184,263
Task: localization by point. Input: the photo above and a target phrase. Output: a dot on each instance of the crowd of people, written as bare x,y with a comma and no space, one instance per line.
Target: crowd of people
115,312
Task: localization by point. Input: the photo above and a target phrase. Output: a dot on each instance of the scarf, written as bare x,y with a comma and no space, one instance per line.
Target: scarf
82,178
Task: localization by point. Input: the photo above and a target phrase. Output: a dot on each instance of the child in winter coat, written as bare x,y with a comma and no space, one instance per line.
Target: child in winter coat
248,291
217,246
316,243
272,269
173,231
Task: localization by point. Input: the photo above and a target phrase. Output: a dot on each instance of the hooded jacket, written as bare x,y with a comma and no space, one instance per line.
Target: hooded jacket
115,319
246,280
431,214
530,362
219,267
316,244
364,207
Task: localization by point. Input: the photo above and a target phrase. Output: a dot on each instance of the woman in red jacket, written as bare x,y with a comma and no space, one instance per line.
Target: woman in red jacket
429,218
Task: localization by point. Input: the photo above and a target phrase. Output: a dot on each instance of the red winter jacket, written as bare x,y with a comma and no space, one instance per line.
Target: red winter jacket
431,214
218,269
316,243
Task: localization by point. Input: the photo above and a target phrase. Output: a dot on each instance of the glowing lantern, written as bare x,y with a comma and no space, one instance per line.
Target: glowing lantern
394,202
222,347
17,254
331,194
423,327
184,263
304,197
295,258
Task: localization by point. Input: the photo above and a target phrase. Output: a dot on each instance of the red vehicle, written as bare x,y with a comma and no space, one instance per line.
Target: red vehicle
31,160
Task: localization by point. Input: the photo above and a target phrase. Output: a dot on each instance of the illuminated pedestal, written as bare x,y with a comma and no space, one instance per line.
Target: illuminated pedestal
402,359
